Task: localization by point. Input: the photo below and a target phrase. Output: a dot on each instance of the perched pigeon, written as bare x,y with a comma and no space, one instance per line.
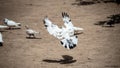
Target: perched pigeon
11,23
31,32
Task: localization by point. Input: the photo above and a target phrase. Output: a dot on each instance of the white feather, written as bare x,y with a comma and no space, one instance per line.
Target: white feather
52,28
66,35
68,23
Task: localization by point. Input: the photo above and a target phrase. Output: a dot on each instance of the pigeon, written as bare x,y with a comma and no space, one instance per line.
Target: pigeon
11,23
67,40
31,32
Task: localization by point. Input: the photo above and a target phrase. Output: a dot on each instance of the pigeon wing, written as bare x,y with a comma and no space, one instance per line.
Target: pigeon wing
67,20
47,22
52,28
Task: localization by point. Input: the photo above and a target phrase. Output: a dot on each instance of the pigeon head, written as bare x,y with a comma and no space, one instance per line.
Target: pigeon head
5,20
26,26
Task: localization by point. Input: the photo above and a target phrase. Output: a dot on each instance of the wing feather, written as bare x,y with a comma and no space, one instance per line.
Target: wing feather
68,23
53,29
67,20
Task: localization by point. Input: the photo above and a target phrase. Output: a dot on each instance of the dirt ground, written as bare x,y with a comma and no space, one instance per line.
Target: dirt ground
98,47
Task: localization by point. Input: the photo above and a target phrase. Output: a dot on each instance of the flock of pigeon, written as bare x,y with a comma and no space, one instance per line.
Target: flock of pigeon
67,33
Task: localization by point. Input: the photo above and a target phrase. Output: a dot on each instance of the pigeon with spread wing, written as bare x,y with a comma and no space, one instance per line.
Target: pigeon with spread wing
67,39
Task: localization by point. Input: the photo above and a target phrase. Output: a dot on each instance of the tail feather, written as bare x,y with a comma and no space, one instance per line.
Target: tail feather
77,28
19,24
69,43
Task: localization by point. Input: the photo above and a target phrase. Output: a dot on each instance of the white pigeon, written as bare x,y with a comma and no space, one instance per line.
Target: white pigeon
11,23
31,32
67,40
68,23
1,40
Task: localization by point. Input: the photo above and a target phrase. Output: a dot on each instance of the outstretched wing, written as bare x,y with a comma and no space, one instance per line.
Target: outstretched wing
67,20
52,28
47,22
69,43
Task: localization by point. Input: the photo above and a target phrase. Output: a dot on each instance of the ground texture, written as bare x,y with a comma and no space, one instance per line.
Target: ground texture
98,47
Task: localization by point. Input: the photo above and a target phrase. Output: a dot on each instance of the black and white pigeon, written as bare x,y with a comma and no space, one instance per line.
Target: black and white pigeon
68,39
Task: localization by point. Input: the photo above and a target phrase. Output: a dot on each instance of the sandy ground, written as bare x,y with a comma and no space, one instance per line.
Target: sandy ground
98,47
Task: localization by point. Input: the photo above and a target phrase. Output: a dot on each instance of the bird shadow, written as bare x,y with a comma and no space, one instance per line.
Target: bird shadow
102,23
87,2
12,28
66,60
32,38
112,20
81,2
